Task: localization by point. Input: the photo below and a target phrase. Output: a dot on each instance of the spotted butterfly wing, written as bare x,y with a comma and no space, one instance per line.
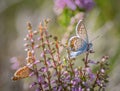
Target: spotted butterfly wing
75,43
77,46
81,31
22,72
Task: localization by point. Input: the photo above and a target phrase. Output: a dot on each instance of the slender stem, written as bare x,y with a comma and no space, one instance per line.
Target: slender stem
58,56
45,60
70,63
33,58
57,71
86,57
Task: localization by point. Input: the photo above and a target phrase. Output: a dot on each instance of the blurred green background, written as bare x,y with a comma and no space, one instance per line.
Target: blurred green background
14,14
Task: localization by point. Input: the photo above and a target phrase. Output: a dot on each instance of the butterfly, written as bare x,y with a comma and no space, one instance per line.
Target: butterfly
79,44
22,72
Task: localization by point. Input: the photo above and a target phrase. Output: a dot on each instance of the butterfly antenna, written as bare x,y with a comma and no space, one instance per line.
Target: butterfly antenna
98,36
103,30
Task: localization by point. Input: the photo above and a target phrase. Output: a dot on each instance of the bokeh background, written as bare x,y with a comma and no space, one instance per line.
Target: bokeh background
104,19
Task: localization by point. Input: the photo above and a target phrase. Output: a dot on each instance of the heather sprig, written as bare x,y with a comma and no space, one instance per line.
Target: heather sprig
54,72
69,9
74,4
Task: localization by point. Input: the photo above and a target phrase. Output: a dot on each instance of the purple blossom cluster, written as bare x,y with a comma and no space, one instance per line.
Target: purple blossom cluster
73,4
53,72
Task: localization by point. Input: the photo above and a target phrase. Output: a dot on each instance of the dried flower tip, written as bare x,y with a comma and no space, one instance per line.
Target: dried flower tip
55,38
50,35
39,38
40,28
26,39
29,54
102,70
35,32
27,36
27,49
26,44
37,46
88,89
29,26
104,58
91,51
32,51
30,61
47,21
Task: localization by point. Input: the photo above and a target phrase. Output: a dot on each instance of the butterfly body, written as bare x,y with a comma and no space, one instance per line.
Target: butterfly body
79,44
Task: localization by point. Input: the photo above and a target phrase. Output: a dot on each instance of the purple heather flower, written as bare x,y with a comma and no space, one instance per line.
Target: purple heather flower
33,84
39,38
67,79
91,75
86,84
72,4
60,4
49,62
86,4
37,61
32,74
41,79
55,88
79,89
98,82
44,69
42,54
76,72
38,89
45,85
102,71
47,51
60,88
76,89
75,81
92,62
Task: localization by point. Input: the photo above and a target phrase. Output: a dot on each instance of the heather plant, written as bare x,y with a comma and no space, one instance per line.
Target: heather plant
57,72
72,10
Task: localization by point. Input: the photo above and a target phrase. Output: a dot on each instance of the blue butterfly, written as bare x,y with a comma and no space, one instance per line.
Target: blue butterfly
79,44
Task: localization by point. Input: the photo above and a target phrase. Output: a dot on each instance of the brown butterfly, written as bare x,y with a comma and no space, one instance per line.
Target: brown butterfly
22,72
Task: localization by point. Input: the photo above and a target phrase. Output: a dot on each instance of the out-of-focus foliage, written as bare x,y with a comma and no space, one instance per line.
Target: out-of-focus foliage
15,13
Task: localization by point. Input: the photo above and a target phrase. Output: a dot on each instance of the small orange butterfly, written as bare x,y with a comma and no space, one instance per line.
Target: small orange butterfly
22,72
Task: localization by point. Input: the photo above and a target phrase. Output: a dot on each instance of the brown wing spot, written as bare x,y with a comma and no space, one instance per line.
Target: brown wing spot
75,43
72,44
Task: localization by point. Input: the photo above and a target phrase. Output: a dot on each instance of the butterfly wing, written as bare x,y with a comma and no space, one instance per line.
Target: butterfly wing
77,46
75,43
81,31
22,73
